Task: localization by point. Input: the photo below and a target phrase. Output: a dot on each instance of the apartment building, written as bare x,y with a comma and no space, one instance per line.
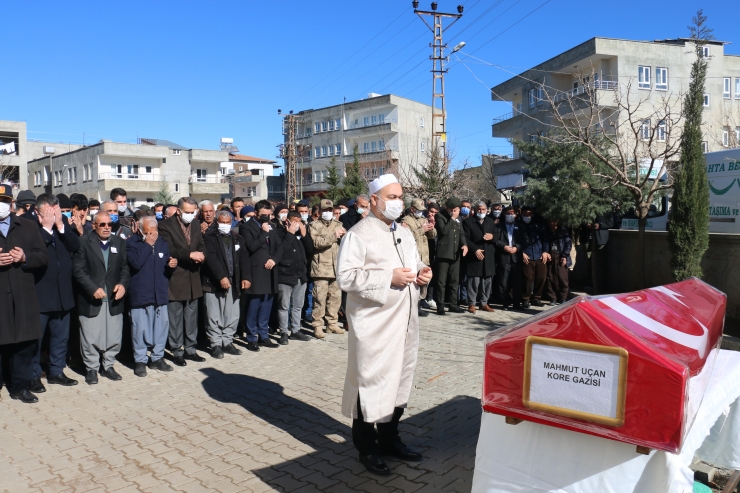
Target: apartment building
143,169
653,69
253,178
392,135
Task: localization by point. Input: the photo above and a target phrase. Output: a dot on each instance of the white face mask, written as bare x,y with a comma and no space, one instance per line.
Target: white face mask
282,216
4,210
526,219
121,208
327,216
246,219
224,229
481,215
188,218
510,218
496,213
343,211
393,208
304,217
360,210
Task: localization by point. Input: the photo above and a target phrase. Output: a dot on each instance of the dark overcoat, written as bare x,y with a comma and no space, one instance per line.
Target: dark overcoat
216,267
262,246
185,281
19,306
450,237
501,239
474,232
90,274
54,282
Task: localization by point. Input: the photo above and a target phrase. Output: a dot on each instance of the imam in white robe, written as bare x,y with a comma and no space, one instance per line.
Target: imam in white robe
383,320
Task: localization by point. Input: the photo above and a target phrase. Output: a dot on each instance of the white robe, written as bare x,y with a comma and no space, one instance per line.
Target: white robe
383,320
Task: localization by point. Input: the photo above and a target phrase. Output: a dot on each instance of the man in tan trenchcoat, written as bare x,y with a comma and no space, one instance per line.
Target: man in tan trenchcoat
326,233
380,270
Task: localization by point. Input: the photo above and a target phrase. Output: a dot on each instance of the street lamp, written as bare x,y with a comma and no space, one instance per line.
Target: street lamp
415,4
459,46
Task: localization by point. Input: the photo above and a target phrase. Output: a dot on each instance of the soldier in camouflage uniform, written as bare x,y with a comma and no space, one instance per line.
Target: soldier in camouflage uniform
423,231
326,233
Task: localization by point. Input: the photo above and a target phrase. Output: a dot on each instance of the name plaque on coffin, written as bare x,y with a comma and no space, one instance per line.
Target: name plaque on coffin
576,380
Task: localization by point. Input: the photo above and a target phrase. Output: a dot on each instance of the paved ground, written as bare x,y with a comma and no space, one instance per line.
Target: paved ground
258,422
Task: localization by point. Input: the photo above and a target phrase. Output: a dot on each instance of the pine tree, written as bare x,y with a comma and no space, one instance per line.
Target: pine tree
335,192
688,230
354,184
164,195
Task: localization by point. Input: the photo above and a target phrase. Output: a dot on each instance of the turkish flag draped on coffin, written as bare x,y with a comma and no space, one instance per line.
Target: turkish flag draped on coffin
631,367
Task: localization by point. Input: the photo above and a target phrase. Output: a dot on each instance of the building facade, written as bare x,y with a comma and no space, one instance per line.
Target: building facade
648,71
391,134
252,178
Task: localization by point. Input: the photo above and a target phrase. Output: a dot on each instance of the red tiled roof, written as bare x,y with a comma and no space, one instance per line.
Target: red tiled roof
251,159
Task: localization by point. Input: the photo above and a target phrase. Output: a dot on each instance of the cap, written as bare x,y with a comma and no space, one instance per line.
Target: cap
144,207
326,204
281,207
6,191
418,204
25,197
343,202
64,201
351,202
381,182
247,208
453,202
303,202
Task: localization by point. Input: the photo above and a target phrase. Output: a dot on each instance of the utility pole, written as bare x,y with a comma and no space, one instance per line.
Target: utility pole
439,129
288,154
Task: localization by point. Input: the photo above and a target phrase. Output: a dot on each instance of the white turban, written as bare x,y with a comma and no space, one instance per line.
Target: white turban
381,181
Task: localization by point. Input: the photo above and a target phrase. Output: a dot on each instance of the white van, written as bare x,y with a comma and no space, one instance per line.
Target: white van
723,172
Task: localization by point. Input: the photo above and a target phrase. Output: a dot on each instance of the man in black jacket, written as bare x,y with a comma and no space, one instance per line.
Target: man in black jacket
510,243
225,274
102,275
22,251
451,247
54,290
480,264
356,213
292,277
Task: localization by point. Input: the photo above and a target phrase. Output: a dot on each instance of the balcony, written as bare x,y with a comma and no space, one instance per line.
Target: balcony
140,182
361,128
208,185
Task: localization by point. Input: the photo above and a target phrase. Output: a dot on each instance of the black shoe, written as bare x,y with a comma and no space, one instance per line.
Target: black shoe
283,339
195,357
91,377
179,361
375,464
422,313
36,386
61,379
517,306
299,336
526,305
230,349
538,303
267,343
217,352
160,365
111,374
505,308
140,369
399,450
252,346
440,310
455,309
24,396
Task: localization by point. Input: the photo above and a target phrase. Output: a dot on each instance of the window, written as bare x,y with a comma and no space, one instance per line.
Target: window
706,100
381,145
177,187
373,146
148,169
645,130
317,176
317,128
374,120
175,152
381,170
365,121
74,175
726,87
323,151
365,147
316,153
726,137
423,147
338,149
540,94
331,150
201,175
323,126
421,123
661,79
381,117
661,131
705,51
575,87
737,136
331,125
374,172
737,87
324,175
643,77
367,172
704,146
533,139
339,124
531,99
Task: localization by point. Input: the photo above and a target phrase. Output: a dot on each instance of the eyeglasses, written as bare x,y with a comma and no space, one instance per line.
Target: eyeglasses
105,225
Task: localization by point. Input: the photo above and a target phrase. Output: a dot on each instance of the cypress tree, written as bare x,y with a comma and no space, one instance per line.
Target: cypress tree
688,231
354,184
335,192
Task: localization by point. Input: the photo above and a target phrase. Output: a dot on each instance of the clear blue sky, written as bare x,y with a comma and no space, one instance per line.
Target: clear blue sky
193,72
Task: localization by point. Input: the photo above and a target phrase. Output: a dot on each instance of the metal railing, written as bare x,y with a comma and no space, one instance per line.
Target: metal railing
206,179
131,176
362,124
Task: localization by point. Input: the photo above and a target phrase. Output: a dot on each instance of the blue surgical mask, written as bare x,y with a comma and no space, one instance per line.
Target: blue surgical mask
113,218
158,215
465,211
67,214
360,210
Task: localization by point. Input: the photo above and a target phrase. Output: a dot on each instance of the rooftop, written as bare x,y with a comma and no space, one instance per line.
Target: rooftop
251,159
162,142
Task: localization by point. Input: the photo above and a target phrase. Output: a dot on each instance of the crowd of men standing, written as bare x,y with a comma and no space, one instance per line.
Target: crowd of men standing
167,274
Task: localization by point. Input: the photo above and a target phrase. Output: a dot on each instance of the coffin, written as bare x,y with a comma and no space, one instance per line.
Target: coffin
631,367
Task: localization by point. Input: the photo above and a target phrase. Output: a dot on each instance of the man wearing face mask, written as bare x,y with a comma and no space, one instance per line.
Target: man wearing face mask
119,229
185,241
480,264
496,212
357,212
22,255
535,256
380,269
465,209
423,231
93,206
159,211
510,241
451,247
119,196
326,233
281,214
